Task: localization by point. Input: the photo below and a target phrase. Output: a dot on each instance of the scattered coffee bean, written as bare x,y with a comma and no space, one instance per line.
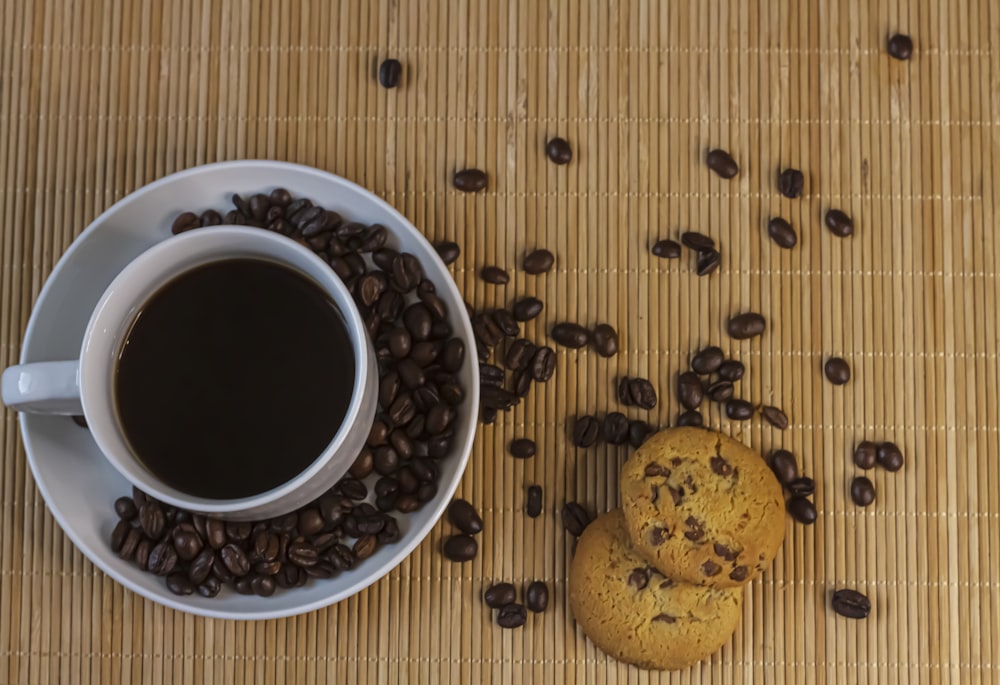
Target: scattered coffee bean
571,335
720,391
746,325
469,180
512,616
494,275
775,417
534,506
585,431
125,508
802,510
179,584
739,410
785,468
638,392
837,370
464,516
790,183
538,261
575,519
708,261
389,73
522,448
506,322
803,486
699,242
889,457
614,429
638,431
851,604
543,364
666,249
862,491
900,46
707,360
605,339
559,151
527,308
731,370
460,548
866,455
782,233
690,418
689,390
448,251
519,354
839,223
500,595
536,597
722,163
185,222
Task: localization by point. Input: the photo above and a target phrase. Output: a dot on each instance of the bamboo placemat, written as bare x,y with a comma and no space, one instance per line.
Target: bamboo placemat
99,98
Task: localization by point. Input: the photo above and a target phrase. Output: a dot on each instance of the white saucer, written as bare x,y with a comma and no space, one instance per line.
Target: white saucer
77,482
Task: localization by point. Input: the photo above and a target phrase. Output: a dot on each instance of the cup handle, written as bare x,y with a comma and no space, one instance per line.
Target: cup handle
43,388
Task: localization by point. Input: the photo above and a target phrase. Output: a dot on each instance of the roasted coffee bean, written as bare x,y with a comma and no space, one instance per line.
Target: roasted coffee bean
586,430
491,374
512,616
400,342
235,560
453,355
722,163
486,330
317,226
506,322
371,524
439,417
310,521
152,520
390,533
460,548
447,250
839,223
522,448
370,288
469,180
426,352
375,238
785,468
614,429
406,272
708,261
837,370
185,222
125,508
210,217
386,486
538,261
263,586
388,388
386,461
389,73
690,418
402,411
464,516
209,588
689,390
179,584
365,546
519,354
120,532
451,393
201,567
802,510
570,335
500,595
378,434
259,204
900,46
390,305
215,533
889,456
666,249
739,410
355,489
707,360
851,604
575,519
308,215
187,544
731,370
127,547
494,275
527,308
384,259
496,398
559,151
605,339
803,486
280,197
234,218
642,393
536,597
303,554
719,391
782,233
638,431
862,491
790,183
411,375
699,242
533,507
866,455
162,559
543,364
295,206
746,325
774,416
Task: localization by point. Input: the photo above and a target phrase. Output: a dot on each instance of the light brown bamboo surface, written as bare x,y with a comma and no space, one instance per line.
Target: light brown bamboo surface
99,98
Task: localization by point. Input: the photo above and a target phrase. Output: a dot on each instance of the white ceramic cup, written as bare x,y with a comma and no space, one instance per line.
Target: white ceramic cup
86,386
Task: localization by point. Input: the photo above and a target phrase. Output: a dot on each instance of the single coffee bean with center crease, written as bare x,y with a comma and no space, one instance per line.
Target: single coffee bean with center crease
575,518
731,370
570,335
119,534
491,374
464,516
506,322
791,183
585,431
469,180
406,272
699,242
235,560
447,250
128,545
522,448
152,520
389,73
201,567
162,559
639,392
418,321
460,548
533,508
719,391
543,364
519,354
839,223
746,325
889,456
707,360
866,455
862,491
500,595
722,163
689,390
708,261
559,151
739,410
536,597
215,533
782,233
522,382
666,249
125,508
900,46
638,431
851,604
512,616
785,468
690,418
538,261
527,308
615,428
774,416
494,275
802,510
803,486
837,370
185,222
605,339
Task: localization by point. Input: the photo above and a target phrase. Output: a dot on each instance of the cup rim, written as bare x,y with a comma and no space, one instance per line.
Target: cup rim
138,474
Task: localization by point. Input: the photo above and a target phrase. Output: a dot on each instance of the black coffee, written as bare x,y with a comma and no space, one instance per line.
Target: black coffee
233,378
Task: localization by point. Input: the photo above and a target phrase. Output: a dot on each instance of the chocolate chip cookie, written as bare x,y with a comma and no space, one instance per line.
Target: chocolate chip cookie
634,613
702,507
